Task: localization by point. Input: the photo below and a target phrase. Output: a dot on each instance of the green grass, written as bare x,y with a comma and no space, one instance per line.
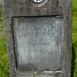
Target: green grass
74,41
3,52
74,35
1,18
3,58
4,66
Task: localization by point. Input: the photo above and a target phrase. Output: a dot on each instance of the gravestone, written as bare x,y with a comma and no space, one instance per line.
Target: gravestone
38,37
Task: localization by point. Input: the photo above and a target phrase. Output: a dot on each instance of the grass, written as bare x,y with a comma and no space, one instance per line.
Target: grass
3,58
74,41
3,52
1,18
74,36
4,65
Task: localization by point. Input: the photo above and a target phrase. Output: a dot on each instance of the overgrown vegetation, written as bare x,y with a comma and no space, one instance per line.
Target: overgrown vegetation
1,18
4,66
3,52
74,35
3,58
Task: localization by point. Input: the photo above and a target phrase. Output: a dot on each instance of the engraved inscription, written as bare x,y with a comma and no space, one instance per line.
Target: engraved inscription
38,43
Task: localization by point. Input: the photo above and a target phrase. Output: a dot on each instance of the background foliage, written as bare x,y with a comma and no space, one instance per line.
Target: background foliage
4,65
74,37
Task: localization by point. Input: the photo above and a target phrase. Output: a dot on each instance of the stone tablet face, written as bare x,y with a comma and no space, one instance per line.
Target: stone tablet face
38,43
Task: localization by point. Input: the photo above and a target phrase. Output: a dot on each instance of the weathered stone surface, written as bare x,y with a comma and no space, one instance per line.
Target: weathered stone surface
27,8
1,2
38,43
